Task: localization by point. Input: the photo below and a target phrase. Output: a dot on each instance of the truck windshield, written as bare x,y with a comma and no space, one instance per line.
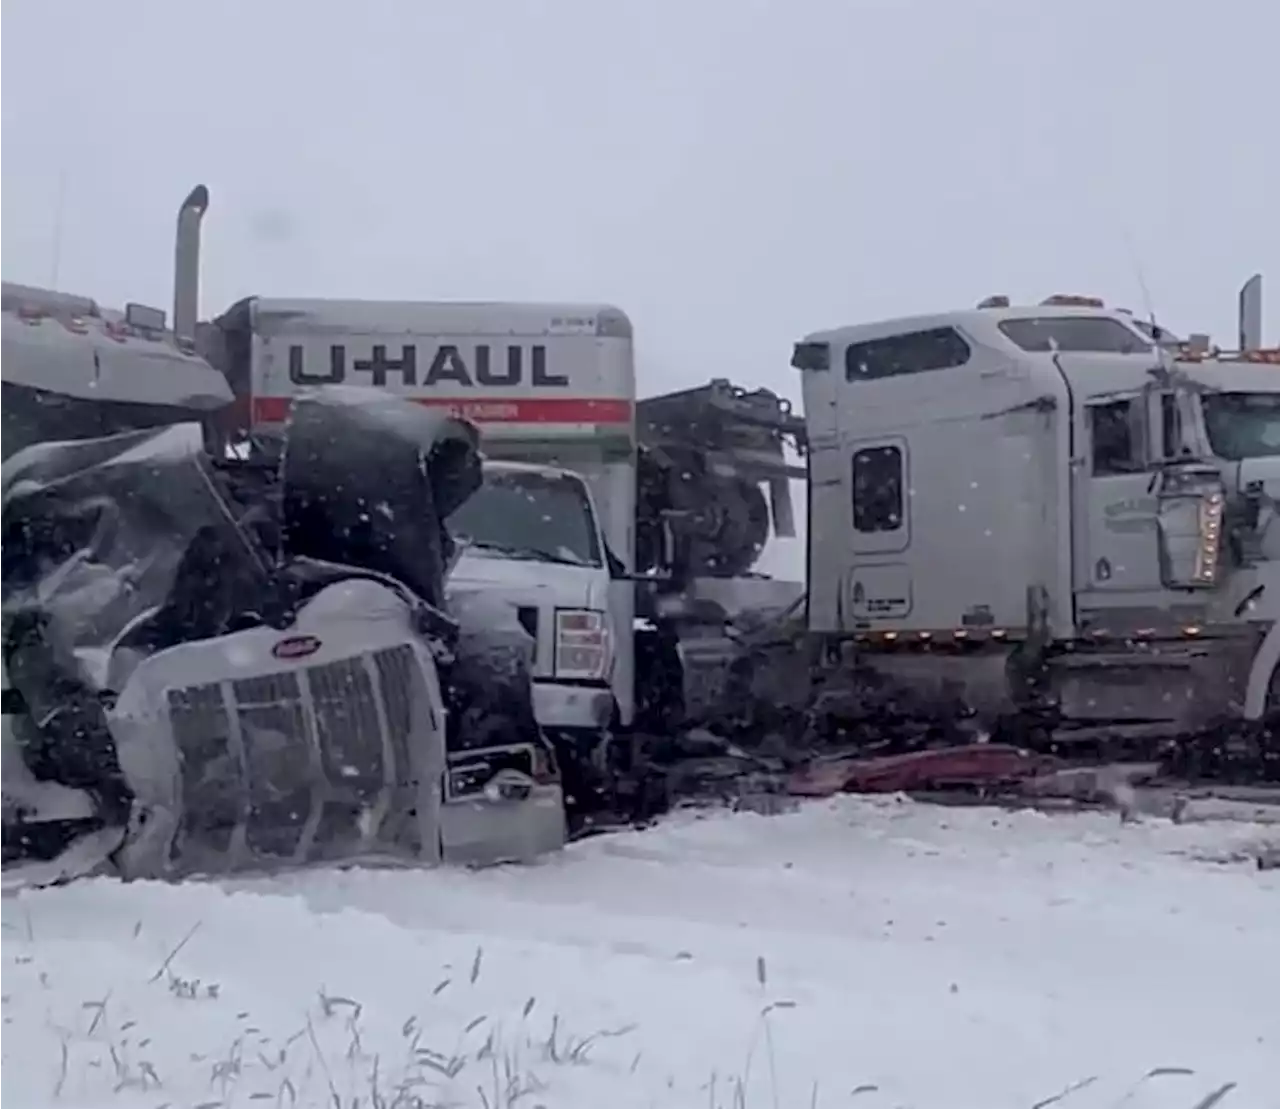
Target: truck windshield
1074,335
525,514
1165,339
1243,425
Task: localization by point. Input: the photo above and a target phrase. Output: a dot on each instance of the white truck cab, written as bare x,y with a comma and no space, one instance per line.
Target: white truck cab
532,535
1043,511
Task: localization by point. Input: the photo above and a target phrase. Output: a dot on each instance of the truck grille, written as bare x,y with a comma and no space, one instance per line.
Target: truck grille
302,765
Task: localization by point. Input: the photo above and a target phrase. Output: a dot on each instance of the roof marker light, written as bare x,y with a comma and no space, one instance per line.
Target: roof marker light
1068,300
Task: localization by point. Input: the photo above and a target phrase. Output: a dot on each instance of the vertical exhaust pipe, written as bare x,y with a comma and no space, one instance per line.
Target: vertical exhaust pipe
1251,314
186,266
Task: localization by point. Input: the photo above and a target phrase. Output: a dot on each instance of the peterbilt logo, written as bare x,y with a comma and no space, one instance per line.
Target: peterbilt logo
296,646
477,367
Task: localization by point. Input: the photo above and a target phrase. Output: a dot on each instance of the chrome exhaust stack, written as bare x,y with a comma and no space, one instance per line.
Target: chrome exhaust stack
1250,314
186,267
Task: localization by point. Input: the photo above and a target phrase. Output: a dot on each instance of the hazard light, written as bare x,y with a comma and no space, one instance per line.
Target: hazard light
1067,300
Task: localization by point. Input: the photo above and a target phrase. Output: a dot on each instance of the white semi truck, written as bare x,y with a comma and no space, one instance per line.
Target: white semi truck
1053,517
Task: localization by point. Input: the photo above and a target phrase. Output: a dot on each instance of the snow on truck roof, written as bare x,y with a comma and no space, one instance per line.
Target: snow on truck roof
415,317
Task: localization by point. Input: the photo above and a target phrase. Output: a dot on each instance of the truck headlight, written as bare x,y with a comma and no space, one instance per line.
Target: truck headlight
582,644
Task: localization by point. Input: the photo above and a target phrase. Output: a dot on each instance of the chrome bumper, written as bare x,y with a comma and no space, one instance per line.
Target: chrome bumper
477,831
557,705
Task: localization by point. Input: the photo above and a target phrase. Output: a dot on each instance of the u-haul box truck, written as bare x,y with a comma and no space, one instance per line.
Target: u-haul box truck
553,388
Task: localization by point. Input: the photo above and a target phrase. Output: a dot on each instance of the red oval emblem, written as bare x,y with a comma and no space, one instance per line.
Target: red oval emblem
296,646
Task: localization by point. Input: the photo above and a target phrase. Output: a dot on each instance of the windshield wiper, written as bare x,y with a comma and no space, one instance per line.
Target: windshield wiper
533,554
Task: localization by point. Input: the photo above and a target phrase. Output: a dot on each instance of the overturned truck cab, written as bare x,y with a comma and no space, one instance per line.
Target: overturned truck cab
220,660
228,686
1043,524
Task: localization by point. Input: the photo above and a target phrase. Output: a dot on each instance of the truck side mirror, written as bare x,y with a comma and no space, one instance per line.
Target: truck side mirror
617,571
1191,500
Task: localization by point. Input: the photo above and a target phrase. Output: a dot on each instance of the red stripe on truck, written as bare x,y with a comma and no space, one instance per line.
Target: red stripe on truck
513,410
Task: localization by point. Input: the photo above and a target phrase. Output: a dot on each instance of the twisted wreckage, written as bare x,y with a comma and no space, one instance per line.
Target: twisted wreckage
337,580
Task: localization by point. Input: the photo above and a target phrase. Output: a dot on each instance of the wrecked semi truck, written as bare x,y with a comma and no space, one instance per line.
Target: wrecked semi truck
215,661
1049,525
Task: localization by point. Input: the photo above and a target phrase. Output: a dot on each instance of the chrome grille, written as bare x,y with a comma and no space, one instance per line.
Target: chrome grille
214,801
349,732
300,764
272,731
397,674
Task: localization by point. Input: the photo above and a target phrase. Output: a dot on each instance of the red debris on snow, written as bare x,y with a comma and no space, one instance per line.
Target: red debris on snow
978,765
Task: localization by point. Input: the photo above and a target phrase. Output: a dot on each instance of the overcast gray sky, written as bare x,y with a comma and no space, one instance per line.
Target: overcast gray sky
731,172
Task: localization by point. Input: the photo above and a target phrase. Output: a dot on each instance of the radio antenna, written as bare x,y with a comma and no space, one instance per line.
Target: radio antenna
1135,260
1148,305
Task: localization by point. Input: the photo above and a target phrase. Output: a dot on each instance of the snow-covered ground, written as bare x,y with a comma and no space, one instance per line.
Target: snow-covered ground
874,953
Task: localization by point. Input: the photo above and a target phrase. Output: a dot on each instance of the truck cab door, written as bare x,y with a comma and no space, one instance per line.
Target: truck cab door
1116,506
1139,494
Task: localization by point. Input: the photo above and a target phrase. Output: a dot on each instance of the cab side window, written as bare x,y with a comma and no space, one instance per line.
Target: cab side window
1115,447
940,348
878,489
